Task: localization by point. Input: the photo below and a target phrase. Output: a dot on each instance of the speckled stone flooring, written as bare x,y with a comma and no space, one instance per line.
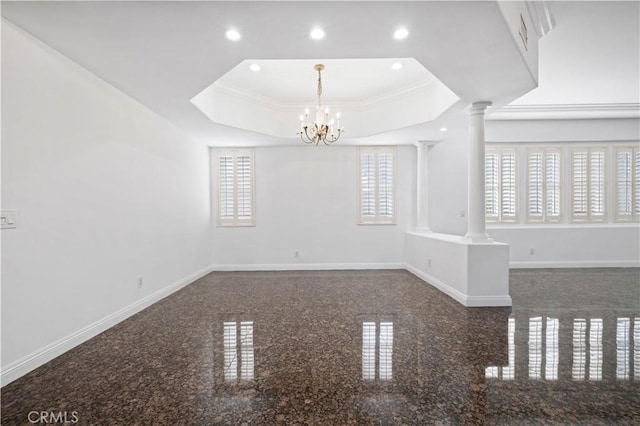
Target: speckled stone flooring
355,347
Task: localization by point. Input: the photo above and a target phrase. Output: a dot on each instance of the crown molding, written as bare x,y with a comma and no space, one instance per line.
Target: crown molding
284,106
566,112
247,95
402,92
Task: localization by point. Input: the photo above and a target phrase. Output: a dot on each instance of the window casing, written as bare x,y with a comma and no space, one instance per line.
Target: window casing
376,188
236,192
627,166
588,184
501,183
544,171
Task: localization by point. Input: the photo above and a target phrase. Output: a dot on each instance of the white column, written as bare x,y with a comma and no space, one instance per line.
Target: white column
422,186
476,229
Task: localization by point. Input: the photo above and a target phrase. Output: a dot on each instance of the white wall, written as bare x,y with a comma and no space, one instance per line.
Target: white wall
448,185
306,202
105,191
571,245
475,274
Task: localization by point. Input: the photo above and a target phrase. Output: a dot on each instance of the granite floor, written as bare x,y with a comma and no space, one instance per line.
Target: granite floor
355,347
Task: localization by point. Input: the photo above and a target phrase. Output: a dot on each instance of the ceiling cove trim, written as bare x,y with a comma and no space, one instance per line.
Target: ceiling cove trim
244,94
540,13
265,101
566,112
575,141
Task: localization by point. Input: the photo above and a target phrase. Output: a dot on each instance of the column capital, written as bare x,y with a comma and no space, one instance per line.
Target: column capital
425,144
479,107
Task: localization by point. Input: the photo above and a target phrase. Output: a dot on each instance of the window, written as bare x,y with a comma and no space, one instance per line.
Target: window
622,348
244,363
500,185
376,192
627,164
588,184
587,351
535,348
235,188
381,338
507,372
543,185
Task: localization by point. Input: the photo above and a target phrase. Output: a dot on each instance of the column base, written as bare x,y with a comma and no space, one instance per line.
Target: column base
478,238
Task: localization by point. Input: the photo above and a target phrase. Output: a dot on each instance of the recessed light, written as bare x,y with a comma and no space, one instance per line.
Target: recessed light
317,34
396,66
254,67
401,33
443,129
232,35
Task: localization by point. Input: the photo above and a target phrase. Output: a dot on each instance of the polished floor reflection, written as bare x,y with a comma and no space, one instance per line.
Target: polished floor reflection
356,347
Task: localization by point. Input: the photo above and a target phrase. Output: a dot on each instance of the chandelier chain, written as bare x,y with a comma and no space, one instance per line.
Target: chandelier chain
319,86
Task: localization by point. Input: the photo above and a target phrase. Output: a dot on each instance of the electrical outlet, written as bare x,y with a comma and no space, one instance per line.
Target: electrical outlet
296,253
8,219
140,281
429,262
532,251
462,213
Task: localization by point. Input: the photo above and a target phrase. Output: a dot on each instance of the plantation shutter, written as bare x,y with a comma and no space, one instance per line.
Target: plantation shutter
580,185
385,186
588,184
368,186
552,184
543,185
235,188
500,185
636,184
491,187
508,193
376,189
226,188
244,188
596,184
627,183
535,192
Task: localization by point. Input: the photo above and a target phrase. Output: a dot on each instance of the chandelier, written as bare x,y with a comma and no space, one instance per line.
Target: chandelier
324,128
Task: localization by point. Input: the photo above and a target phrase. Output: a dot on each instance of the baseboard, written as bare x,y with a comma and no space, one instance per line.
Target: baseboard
575,264
40,357
305,266
488,301
465,300
440,285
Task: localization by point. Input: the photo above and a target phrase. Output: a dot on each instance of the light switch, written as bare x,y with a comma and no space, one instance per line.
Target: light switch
7,219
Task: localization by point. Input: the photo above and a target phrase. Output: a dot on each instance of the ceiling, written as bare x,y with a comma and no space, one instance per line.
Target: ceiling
165,53
343,80
591,57
373,96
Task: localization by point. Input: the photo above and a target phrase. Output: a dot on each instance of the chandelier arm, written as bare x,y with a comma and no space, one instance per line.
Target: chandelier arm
309,140
302,138
332,139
